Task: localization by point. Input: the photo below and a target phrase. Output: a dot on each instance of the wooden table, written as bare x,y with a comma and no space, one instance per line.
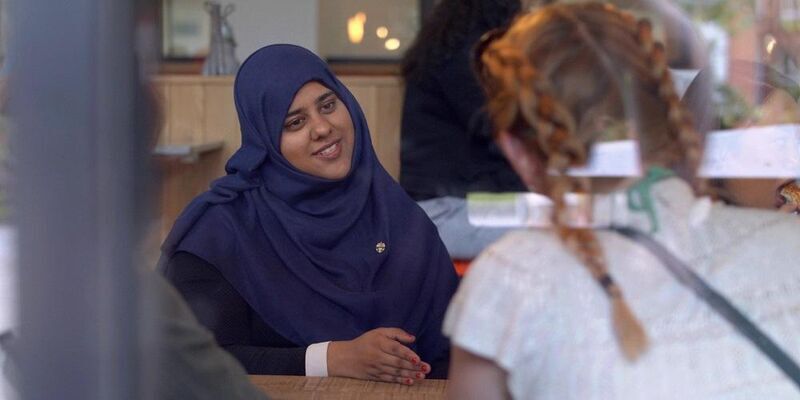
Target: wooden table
301,387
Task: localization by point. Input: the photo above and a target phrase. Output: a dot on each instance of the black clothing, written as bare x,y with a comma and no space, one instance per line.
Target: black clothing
446,143
236,327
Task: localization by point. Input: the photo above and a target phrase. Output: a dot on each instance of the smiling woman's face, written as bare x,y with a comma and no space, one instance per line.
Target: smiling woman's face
318,134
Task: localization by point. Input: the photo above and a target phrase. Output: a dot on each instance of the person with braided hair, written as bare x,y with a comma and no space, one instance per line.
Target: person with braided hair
573,312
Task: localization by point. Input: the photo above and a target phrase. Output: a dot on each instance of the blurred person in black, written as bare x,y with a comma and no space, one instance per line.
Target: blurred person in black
447,149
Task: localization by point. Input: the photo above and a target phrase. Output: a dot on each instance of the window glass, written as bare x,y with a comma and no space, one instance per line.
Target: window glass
367,30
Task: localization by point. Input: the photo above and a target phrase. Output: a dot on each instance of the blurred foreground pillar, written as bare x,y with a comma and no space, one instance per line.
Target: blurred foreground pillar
73,99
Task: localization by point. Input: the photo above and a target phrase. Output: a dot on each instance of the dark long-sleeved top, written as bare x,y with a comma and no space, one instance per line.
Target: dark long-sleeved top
236,326
446,143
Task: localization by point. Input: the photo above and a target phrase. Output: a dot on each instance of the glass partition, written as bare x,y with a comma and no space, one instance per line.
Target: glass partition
367,30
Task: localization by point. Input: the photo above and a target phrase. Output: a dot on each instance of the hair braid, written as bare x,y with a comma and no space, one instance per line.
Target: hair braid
680,120
585,244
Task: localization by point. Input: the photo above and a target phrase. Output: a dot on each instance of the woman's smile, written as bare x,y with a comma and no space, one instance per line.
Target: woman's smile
330,151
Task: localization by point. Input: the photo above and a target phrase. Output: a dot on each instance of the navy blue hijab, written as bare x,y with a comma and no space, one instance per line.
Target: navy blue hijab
303,250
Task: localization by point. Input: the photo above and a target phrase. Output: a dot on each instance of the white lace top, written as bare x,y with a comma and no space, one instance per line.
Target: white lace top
528,305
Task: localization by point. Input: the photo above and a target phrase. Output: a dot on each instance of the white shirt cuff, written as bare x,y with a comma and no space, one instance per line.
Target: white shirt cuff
317,359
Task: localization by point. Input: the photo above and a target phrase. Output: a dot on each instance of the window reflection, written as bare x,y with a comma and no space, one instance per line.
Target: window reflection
366,30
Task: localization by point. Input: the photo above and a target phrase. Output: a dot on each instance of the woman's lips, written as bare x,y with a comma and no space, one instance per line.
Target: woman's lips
330,151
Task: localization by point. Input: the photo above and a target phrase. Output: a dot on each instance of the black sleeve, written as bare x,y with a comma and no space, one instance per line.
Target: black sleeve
236,327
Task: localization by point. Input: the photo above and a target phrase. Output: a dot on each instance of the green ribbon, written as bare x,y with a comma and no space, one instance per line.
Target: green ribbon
640,197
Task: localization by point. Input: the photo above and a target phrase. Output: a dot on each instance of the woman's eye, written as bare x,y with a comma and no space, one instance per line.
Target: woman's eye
329,106
293,124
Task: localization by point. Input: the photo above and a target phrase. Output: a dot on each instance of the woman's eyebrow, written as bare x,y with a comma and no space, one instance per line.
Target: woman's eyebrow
294,112
325,96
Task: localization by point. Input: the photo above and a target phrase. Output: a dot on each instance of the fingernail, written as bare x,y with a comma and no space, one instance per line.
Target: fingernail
409,381
419,375
424,368
414,360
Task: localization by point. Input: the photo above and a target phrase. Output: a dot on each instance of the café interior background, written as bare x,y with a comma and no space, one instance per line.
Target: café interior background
378,31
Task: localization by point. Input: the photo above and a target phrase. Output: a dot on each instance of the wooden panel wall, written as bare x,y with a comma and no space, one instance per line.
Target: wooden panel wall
381,99
200,110
196,110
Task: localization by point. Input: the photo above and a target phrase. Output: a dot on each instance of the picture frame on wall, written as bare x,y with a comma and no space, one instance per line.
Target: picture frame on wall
185,30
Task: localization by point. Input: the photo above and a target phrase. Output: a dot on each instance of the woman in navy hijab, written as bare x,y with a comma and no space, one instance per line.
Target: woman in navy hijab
307,257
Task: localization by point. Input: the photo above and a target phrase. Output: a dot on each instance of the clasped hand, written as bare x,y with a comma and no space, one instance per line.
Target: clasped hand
380,354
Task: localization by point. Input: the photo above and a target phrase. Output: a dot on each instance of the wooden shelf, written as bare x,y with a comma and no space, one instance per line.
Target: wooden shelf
188,153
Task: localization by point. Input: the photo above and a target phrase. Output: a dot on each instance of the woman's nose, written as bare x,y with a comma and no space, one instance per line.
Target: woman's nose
320,128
